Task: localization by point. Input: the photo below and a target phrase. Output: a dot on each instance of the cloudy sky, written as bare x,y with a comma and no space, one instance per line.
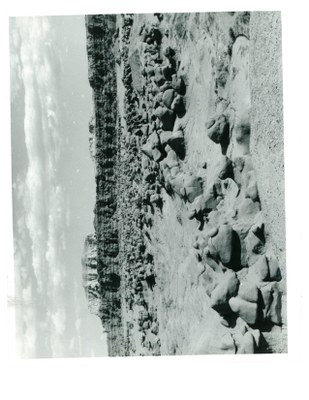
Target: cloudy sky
53,187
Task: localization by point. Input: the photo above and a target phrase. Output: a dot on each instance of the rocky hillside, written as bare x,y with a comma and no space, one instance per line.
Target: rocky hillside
186,260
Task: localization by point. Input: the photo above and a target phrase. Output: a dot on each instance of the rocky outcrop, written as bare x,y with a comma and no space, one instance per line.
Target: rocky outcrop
144,160
90,275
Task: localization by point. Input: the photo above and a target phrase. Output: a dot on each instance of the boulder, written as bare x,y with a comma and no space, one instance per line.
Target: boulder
174,171
245,309
178,106
248,166
238,166
154,139
226,288
241,231
238,339
150,148
240,326
248,344
248,210
179,85
230,190
257,336
227,344
274,312
210,200
259,271
241,131
271,296
154,328
193,187
156,154
211,231
149,177
165,137
171,159
250,185
159,112
227,247
248,291
154,89
159,78
177,142
212,251
156,35
218,129
158,100
254,247
167,118
168,97
166,85
250,218
202,203
167,72
169,52
147,149
223,168
274,270
223,243
177,184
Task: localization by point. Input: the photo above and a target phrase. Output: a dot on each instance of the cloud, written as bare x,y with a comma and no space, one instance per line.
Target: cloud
15,63
42,196
58,319
39,235
29,339
50,304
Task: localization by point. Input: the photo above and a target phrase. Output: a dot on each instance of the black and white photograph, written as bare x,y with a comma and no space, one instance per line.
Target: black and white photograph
148,184
154,200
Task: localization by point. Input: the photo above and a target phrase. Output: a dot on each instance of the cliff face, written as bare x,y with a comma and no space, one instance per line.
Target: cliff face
103,143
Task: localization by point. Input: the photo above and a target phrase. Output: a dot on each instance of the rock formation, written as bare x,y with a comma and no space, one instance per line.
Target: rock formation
183,259
90,275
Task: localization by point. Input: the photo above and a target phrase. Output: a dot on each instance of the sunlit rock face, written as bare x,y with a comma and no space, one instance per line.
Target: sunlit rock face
90,274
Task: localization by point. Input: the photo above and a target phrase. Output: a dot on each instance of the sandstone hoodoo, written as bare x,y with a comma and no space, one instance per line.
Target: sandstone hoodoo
184,258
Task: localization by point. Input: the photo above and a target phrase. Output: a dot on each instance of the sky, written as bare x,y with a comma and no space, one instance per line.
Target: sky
53,187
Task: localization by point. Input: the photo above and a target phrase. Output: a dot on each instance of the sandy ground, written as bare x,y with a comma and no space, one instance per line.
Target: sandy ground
267,133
